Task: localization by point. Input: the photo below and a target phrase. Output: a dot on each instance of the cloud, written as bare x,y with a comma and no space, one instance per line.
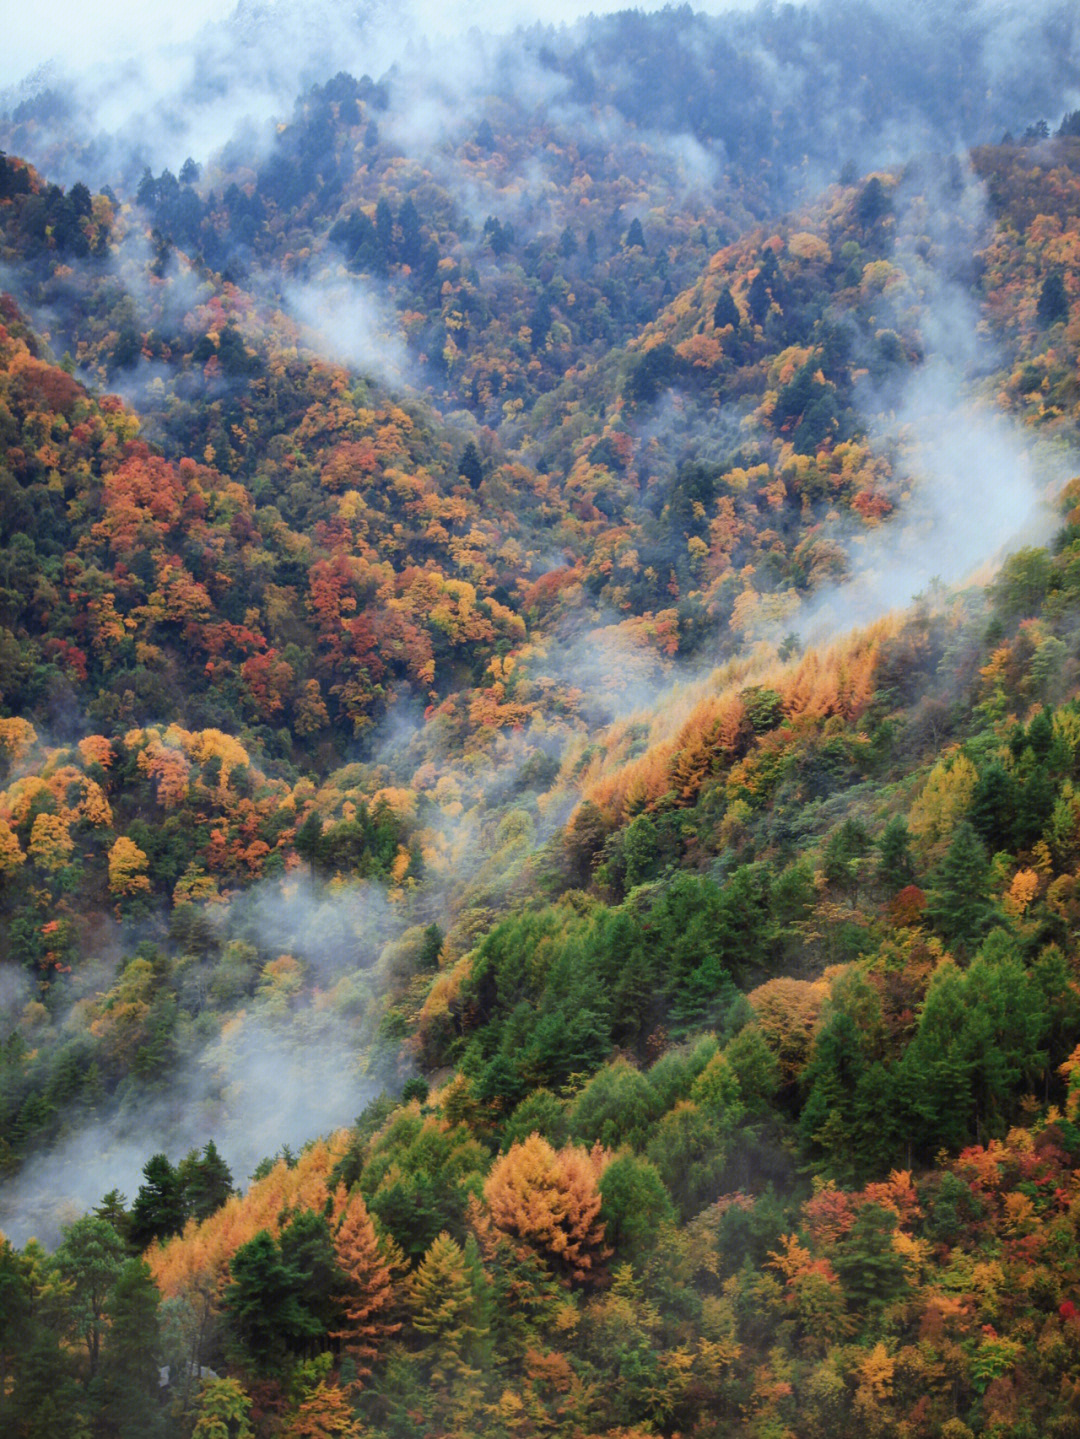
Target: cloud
89,36
975,483
348,321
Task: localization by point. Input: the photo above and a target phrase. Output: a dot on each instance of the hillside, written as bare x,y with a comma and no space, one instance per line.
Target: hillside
540,742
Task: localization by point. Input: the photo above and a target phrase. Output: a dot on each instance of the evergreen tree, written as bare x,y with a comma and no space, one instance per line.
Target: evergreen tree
16,1324
959,905
870,1269
635,236
831,1078
471,465
895,870
993,807
264,1303
843,855
411,237
1053,304
725,311
206,1182
307,1251
758,297
158,1210
90,1258
130,1362
635,1205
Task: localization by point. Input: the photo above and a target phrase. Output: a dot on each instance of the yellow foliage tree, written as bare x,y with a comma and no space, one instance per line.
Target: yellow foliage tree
11,855
96,749
325,1413
366,1302
16,737
51,845
127,866
945,798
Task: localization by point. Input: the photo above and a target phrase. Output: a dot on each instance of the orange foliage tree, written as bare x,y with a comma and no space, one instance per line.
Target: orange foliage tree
369,1293
551,1199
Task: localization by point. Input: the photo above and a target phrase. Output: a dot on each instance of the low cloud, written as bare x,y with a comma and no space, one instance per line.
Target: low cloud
290,1060
347,321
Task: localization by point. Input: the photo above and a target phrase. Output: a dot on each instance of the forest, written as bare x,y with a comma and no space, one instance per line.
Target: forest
540,731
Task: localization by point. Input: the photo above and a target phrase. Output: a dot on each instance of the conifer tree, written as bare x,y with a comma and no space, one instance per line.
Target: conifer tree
441,1301
959,904
726,312
368,1292
224,1411
325,1413
90,1259
130,1363
551,1200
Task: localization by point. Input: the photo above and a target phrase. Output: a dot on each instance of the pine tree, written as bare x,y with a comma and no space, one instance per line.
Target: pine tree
1053,305
265,1304
635,236
471,465
894,869
16,1322
158,1210
90,1258
130,1363
206,1182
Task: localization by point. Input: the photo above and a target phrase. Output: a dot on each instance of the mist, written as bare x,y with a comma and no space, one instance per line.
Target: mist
973,483
291,1059
347,321
132,87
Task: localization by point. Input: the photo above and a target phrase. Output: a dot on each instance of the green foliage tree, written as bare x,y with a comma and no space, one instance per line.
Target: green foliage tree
895,869
870,1269
959,900
616,1107
265,1304
1053,304
205,1181
90,1259
635,1205
725,311
159,1209
130,1365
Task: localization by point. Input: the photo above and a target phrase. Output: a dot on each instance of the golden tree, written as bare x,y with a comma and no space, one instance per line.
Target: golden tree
11,855
325,1413
51,845
127,866
551,1199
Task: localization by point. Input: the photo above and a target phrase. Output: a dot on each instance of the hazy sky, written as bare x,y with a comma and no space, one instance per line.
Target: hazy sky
76,34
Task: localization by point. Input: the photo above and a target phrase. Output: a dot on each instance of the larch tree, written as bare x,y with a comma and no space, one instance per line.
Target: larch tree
223,1411
368,1293
324,1413
551,1199
440,1297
